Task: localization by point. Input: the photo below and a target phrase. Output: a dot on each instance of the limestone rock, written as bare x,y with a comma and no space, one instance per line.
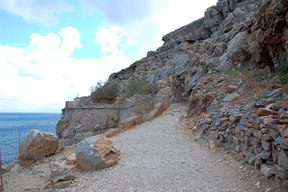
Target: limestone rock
37,144
95,153
266,171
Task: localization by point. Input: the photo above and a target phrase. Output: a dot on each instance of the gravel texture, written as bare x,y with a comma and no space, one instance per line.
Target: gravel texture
160,156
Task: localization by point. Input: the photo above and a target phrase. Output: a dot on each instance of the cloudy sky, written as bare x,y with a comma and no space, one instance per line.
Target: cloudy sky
54,50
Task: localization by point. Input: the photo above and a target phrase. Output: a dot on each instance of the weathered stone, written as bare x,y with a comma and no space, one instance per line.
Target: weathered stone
274,133
280,172
284,115
60,176
230,97
267,146
37,144
282,129
266,137
265,155
284,143
96,152
263,112
277,141
251,159
285,133
231,88
283,159
132,121
58,185
266,171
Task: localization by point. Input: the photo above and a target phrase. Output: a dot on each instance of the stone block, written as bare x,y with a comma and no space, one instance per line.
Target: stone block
265,155
274,133
266,170
280,172
283,159
284,143
267,146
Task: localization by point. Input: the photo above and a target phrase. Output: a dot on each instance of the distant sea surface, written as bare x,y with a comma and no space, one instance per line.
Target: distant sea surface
15,126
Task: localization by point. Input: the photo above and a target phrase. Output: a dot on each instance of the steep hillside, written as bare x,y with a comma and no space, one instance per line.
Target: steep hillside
231,67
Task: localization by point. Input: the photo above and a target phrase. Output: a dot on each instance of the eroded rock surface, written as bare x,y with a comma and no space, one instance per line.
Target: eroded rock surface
36,145
95,153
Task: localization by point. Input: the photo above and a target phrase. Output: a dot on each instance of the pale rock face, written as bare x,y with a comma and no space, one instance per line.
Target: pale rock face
37,144
95,153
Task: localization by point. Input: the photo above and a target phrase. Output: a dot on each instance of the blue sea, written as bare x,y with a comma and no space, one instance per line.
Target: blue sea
15,126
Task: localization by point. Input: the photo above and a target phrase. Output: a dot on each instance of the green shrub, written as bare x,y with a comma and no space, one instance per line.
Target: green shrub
107,91
283,72
210,67
243,66
259,75
138,86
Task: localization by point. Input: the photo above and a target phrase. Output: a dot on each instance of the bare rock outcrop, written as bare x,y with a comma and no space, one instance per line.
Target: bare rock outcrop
268,41
36,145
95,153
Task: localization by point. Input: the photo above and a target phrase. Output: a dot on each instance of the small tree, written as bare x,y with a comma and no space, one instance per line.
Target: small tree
107,91
98,85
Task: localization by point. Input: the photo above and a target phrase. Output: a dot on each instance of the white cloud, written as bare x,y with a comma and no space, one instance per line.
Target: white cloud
147,32
112,39
43,12
46,73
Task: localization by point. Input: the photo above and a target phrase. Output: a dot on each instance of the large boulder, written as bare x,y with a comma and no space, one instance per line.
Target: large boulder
95,153
37,144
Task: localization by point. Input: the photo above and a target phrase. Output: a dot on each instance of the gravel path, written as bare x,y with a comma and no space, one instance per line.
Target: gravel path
160,156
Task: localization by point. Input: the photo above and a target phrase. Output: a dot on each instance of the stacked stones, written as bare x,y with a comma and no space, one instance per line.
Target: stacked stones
261,137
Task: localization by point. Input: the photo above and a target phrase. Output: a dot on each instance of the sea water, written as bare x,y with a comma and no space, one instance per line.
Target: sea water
15,126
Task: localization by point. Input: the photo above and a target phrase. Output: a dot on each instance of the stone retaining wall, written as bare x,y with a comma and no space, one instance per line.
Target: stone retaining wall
79,122
260,134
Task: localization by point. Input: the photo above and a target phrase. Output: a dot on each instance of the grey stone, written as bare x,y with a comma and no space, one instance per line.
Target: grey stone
96,152
265,155
266,171
60,176
280,172
284,143
231,88
58,185
283,159
274,133
267,146
251,159
230,97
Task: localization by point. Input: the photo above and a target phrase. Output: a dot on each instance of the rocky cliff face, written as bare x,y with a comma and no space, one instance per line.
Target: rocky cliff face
219,38
225,66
